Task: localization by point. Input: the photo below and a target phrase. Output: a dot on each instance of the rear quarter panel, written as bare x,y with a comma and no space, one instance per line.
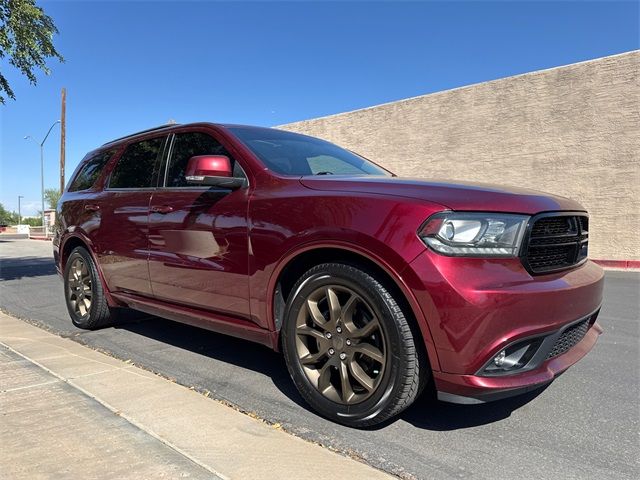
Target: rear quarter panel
71,221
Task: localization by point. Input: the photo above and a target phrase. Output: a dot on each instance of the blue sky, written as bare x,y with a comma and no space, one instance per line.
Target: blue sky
133,65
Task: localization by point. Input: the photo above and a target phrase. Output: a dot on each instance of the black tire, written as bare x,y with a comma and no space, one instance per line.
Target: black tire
401,373
97,314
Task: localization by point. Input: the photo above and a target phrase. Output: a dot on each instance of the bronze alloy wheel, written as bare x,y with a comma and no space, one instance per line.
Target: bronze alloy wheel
79,287
340,344
86,300
349,348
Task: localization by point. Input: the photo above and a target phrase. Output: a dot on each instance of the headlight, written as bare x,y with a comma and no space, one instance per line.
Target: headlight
475,234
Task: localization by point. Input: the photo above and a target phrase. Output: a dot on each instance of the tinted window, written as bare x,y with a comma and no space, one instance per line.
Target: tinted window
290,153
187,145
90,172
325,164
136,166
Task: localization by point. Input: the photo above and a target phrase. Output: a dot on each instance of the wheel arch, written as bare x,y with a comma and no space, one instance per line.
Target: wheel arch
297,263
67,246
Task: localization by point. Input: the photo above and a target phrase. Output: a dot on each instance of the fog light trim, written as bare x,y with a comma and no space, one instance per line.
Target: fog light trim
513,358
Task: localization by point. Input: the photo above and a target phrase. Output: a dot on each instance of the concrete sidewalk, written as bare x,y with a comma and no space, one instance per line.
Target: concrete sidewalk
70,412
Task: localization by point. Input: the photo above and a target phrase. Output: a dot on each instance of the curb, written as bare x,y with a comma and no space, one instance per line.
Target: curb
619,264
218,438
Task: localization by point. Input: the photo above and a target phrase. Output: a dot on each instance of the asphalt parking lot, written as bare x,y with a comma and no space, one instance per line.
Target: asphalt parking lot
584,425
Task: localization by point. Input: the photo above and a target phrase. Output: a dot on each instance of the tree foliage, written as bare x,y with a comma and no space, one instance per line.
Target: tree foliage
32,221
26,38
52,195
12,218
7,217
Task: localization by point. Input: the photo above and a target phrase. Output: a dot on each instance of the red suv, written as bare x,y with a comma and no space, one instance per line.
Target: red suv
370,285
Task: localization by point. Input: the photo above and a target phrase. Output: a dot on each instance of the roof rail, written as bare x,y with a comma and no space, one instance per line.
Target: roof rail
161,127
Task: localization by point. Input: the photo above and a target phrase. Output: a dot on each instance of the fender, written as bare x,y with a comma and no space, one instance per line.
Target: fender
111,301
380,262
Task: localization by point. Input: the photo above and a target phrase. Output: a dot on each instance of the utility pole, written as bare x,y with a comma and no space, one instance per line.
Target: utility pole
19,213
29,137
63,131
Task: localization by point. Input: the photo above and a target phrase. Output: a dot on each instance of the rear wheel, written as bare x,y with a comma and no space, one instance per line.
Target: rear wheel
84,293
349,347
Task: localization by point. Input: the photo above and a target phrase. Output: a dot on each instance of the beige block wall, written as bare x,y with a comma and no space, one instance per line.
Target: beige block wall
572,131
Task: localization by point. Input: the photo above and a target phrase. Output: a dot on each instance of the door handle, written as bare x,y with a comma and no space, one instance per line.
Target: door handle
162,209
92,208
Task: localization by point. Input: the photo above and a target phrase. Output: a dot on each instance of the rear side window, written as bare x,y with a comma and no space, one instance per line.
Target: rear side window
137,166
187,145
90,172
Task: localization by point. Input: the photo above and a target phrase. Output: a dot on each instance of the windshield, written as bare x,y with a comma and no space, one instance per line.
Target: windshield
290,153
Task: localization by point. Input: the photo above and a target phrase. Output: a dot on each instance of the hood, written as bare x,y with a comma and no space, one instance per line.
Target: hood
454,196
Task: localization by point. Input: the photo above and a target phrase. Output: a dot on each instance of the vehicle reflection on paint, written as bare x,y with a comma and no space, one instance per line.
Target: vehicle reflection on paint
190,243
198,250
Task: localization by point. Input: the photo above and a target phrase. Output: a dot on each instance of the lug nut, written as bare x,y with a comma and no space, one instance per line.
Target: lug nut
339,329
331,351
348,342
328,334
343,356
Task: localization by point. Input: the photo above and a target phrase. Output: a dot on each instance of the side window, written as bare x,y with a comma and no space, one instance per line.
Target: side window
187,145
137,165
90,172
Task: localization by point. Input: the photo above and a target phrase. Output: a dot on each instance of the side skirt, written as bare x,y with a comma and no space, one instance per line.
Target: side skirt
198,318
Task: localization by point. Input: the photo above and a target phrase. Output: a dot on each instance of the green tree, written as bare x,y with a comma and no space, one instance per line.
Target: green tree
32,221
26,38
52,195
7,217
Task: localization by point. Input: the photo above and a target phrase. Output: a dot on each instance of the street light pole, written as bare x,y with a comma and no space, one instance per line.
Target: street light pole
19,213
42,167
44,230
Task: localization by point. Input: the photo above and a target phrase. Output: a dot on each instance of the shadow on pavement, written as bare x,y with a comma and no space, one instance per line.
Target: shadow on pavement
26,267
427,412
227,349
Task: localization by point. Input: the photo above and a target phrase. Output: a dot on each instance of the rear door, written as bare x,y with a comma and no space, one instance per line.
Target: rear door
199,235
120,234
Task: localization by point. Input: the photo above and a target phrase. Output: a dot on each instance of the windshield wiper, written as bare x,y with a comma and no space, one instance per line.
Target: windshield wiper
324,173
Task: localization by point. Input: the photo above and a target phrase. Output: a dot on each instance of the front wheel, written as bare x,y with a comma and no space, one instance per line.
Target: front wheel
349,347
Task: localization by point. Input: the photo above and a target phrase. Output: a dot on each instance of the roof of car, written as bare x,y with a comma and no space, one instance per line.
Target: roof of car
171,126
141,132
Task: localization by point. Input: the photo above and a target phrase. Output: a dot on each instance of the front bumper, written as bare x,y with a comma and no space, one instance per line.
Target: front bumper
477,307
470,389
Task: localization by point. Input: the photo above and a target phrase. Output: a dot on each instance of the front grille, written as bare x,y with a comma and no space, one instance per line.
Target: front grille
556,242
551,226
584,224
569,338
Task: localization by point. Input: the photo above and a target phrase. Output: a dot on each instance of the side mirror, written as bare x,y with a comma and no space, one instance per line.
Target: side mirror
212,170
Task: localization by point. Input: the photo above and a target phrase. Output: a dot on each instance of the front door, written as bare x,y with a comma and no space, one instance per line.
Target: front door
198,236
